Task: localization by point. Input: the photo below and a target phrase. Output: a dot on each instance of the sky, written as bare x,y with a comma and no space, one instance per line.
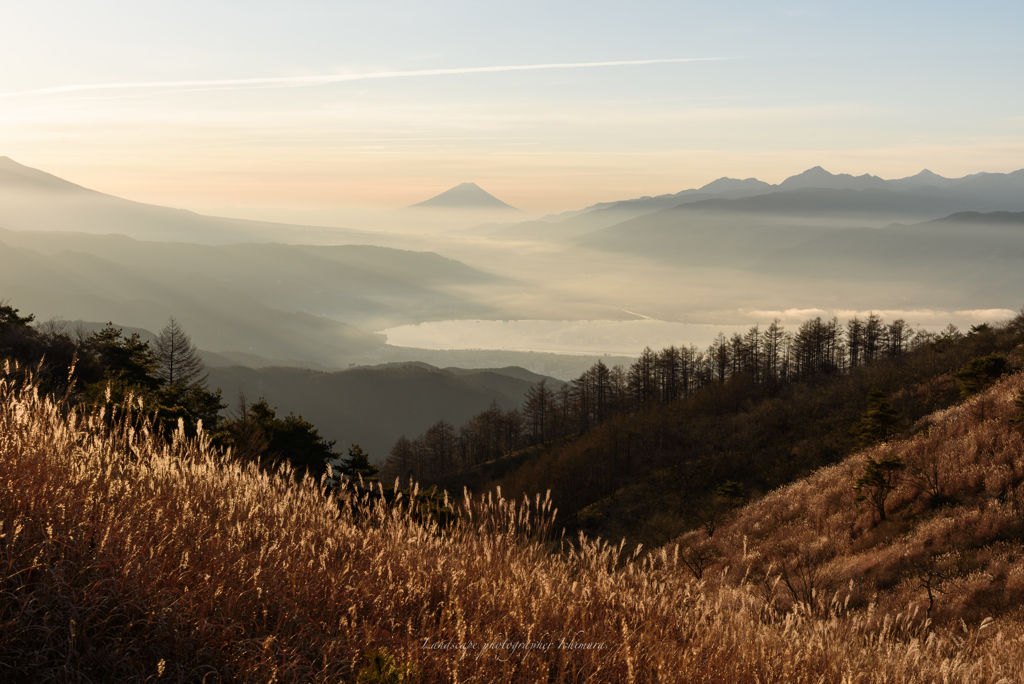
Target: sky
257,104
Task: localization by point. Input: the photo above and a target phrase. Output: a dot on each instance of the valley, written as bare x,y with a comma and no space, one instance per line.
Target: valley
550,294
505,343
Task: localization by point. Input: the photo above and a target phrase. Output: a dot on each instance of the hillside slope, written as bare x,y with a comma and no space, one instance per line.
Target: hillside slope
272,300
640,452
127,559
951,544
360,284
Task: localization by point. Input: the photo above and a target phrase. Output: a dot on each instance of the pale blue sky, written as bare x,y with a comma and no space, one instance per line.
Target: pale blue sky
885,88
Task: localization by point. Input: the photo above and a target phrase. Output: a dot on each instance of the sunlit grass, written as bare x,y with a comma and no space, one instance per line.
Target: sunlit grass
127,558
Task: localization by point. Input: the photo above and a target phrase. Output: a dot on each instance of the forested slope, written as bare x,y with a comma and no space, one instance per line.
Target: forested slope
642,452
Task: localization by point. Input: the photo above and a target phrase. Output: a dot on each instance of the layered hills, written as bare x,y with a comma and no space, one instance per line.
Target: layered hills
868,200
374,406
959,259
839,500
274,300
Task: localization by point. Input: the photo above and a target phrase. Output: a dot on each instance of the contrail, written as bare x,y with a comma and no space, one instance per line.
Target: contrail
294,81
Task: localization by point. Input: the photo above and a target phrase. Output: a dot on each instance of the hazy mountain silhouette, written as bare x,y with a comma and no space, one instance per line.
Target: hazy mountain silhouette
929,196
22,178
804,235
726,185
610,213
922,179
34,200
960,260
818,177
464,196
374,406
276,301
981,242
292,304
730,231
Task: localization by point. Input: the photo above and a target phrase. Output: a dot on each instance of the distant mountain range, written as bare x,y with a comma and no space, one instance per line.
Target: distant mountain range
69,251
965,260
878,202
34,200
307,304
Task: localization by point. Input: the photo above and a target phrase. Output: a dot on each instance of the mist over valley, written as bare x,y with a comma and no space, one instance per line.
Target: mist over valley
660,343
550,295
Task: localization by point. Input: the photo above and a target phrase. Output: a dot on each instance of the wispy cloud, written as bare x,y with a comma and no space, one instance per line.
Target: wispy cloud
299,81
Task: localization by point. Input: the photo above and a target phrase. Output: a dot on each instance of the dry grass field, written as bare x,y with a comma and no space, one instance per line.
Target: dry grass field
125,558
950,546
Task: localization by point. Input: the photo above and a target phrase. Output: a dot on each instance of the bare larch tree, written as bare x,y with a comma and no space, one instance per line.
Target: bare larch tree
180,363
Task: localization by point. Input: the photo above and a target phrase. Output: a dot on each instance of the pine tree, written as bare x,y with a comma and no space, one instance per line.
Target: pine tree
879,422
980,372
127,362
358,463
9,317
245,432
879,479
184,393
256,433
401,462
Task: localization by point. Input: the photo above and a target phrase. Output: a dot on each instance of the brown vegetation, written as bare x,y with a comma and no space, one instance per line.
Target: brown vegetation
946,538
127,558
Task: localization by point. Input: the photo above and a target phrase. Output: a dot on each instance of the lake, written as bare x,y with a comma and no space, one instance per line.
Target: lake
627,338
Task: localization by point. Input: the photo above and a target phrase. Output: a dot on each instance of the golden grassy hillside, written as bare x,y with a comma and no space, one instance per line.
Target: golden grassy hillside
124,558
951,545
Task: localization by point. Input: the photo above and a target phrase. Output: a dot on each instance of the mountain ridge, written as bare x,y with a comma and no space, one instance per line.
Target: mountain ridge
972,192
24,177
34,200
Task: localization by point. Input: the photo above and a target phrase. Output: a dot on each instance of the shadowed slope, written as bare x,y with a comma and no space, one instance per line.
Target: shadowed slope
375,406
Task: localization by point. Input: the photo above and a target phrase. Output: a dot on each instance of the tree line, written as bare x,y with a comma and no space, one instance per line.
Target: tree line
763,359
165,381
